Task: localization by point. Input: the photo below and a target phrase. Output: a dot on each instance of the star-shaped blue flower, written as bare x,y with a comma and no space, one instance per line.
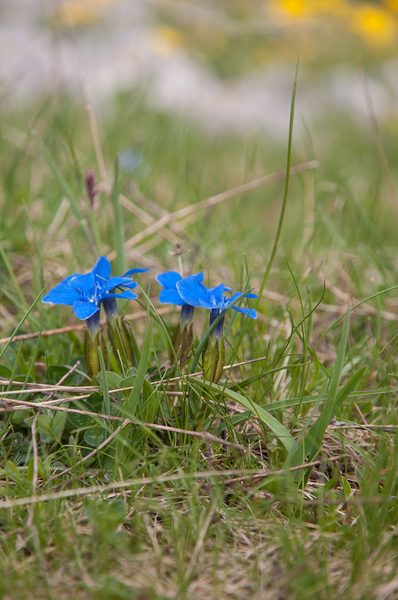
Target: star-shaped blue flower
193,292
170,294
86,292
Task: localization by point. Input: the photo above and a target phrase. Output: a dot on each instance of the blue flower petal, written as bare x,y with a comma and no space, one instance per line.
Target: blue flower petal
132,271
61,294
130,284
84,310
216,291
246,311
212,305
126,294
192,291
102,268
169,279
70,277
234,297
83,283
116,282
171,297
198,276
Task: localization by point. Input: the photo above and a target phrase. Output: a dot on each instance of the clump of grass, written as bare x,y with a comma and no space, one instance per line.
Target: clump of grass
151,482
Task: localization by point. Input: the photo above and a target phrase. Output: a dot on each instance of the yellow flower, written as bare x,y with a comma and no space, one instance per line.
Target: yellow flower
309,8
294,8
166,40
392,5
377,25
72,13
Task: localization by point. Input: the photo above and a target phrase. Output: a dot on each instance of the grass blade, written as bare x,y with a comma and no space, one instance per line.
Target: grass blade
64,187
119,231
312,442
21,322
283,209
132,401
105,387
276,427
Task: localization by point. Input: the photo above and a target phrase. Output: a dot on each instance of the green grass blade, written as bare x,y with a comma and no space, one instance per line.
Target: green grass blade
14,333
105,387
287,180
276,427
13,278
64,187
390,289
312,442
119,230
132,401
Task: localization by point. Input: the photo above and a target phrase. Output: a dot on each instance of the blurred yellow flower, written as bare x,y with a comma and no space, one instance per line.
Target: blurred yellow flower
308,8
72,13
166,40
294,7
376,24
391,4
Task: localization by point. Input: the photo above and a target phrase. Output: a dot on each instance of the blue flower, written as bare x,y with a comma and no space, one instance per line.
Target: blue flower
196,294
86,292
170,294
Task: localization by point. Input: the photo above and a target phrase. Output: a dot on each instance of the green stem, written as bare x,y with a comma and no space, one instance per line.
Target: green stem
282,215
119,231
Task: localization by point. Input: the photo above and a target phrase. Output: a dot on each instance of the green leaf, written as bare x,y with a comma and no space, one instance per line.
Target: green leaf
41,469
19,416
276,427
113,380
12,472
96,402
43,424
127,382
5,372
150,402
94,436
132,401
346,488
58,424
81,421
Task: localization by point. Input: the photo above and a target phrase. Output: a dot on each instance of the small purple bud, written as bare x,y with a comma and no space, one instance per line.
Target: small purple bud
91,190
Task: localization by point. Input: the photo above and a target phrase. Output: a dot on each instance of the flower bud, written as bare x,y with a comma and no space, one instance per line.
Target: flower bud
213,358
93,338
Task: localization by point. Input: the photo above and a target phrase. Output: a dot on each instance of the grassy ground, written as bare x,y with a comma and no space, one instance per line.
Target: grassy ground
162,514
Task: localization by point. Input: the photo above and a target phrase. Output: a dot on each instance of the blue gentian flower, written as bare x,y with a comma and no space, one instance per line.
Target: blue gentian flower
170,294
194,293
85,293
182,339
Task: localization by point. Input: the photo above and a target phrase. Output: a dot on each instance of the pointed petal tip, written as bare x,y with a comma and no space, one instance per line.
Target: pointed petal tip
168,279
102,268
